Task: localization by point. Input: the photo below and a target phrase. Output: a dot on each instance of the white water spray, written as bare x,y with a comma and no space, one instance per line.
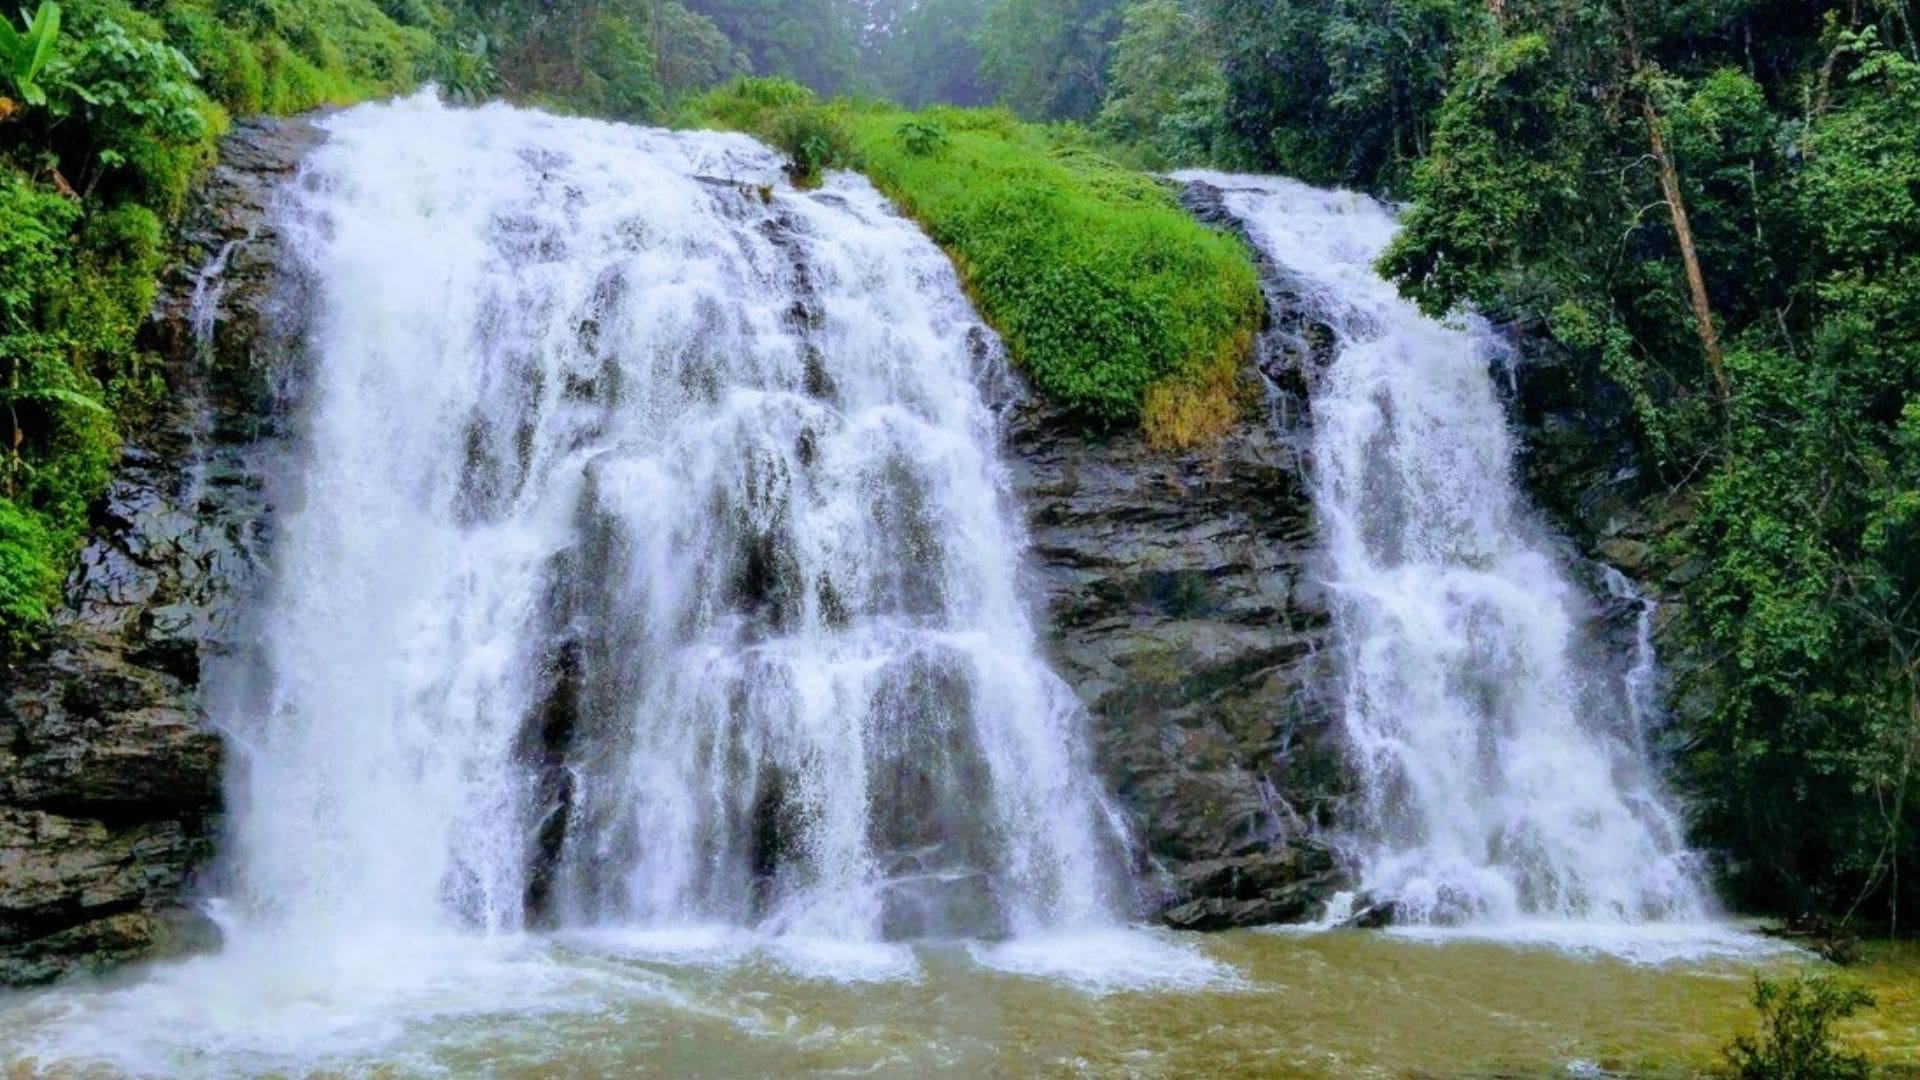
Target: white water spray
1498,750
649,563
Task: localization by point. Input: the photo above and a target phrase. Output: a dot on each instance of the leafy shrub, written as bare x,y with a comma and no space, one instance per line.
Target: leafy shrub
28,572
24,54
1796,1040
55,433
921,138
144,109
813,138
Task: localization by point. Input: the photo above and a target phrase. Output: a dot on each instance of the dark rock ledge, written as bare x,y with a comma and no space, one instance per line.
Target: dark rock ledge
110,786
1184,613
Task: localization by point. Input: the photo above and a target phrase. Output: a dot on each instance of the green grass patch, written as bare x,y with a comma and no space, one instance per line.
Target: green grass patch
1114,301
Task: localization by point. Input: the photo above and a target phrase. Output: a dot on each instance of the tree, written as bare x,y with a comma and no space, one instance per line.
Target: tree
812,41
933,55
691,53
1796,1040
1168,91
1644,75
1337,91
1050,57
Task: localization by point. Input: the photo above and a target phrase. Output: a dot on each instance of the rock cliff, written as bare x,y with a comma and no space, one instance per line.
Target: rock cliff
1185,610
110,786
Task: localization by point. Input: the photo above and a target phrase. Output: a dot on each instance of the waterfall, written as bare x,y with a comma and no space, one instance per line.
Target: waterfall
648,562
1497,747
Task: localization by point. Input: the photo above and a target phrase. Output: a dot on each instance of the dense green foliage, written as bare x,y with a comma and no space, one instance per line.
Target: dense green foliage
1167,92
1101,286
812,41
931,55
1570,160
108,106
1796,1040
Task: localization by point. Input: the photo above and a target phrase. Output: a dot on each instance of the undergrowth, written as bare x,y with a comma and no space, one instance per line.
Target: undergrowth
101,138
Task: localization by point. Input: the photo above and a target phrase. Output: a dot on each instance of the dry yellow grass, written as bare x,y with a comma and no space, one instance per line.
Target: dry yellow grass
1190,411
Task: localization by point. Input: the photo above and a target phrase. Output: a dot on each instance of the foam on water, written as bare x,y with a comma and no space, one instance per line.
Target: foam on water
1111,961
244,1012
1653,944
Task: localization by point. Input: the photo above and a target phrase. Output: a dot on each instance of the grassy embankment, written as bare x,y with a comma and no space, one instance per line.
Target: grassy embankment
1110,297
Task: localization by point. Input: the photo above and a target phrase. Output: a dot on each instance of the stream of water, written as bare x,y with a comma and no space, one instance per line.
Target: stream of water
1500,750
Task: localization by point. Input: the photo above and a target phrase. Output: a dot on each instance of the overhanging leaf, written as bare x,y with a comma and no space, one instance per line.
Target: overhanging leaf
60,395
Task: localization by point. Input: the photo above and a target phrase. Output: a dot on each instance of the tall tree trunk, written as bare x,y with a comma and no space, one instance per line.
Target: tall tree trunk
1682,231
1676,207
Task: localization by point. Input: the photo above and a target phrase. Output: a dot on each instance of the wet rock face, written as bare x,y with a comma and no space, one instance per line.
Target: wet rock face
1184,610
1184,604
110,774
1578,462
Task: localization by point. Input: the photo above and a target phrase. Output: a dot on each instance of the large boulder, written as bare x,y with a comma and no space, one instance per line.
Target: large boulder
1184,609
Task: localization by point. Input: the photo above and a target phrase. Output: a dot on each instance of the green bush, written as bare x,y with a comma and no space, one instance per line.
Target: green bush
1796,1039
1103,288
57,435
813,138
921,138
29,573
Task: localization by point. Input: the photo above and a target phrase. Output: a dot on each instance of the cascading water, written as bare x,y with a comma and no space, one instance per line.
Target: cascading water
642,574
1497,747
649,563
